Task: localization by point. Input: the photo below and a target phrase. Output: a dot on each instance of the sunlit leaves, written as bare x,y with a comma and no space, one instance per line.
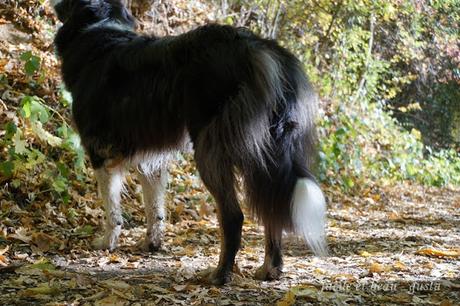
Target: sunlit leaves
6,168
30,148
31,63
34,109
19,143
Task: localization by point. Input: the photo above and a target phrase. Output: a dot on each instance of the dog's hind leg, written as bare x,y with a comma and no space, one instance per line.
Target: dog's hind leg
218,176
153,188
110,184
273,262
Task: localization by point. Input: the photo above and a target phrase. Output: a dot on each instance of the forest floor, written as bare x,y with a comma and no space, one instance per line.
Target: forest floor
396,244
400,246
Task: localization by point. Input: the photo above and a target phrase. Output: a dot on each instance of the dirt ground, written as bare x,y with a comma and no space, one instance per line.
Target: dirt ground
397,247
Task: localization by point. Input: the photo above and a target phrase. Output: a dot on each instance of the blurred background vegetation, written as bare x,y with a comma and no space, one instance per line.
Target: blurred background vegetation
387,72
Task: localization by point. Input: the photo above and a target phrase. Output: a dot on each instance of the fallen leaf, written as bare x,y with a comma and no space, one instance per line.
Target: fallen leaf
180,288
365,254
43,264
288,299
344,276
4,250
446,303
43,289
116,284
439,253
393,216
22,235
375,267
42,241
399,266
130,265
114,258
10,268
3,261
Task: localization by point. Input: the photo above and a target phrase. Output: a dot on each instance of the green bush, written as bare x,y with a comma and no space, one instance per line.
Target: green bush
40,148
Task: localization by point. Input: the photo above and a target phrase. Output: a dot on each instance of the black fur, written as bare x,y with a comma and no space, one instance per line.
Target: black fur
243,100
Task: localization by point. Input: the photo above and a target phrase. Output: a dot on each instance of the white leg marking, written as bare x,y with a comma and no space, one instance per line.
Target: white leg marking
153,187
309,215
110,184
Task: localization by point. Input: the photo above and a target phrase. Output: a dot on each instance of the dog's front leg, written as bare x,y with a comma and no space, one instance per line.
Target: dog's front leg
153,188
110,183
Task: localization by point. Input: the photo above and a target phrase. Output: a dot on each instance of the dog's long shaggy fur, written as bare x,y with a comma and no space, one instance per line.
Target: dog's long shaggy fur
244,102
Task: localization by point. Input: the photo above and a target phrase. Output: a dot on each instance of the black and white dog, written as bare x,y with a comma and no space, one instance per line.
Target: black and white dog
244,102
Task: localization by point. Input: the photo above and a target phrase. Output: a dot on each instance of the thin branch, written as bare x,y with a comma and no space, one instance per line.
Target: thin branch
331,24
277,21
362,82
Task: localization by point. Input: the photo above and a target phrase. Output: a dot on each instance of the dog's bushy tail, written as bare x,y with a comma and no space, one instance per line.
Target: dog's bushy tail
270,135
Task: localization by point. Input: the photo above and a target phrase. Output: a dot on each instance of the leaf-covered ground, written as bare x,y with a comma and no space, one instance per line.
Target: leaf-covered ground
398,246
388,245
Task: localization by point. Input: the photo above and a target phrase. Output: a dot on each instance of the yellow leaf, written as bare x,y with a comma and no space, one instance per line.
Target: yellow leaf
375,267
416,134
114,258
288,299
365,254
399,266
414,106
393,216
439,253
319,271
190,250
344,276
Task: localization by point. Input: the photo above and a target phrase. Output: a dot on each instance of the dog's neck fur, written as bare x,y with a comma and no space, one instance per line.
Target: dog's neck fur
108,23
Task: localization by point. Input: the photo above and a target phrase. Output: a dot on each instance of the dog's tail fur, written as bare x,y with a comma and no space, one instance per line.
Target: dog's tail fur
268,133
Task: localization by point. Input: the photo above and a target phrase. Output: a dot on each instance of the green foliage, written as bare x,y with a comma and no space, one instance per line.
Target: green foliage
55,158
32,63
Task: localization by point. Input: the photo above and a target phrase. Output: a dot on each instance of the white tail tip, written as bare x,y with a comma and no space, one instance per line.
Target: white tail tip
309,215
